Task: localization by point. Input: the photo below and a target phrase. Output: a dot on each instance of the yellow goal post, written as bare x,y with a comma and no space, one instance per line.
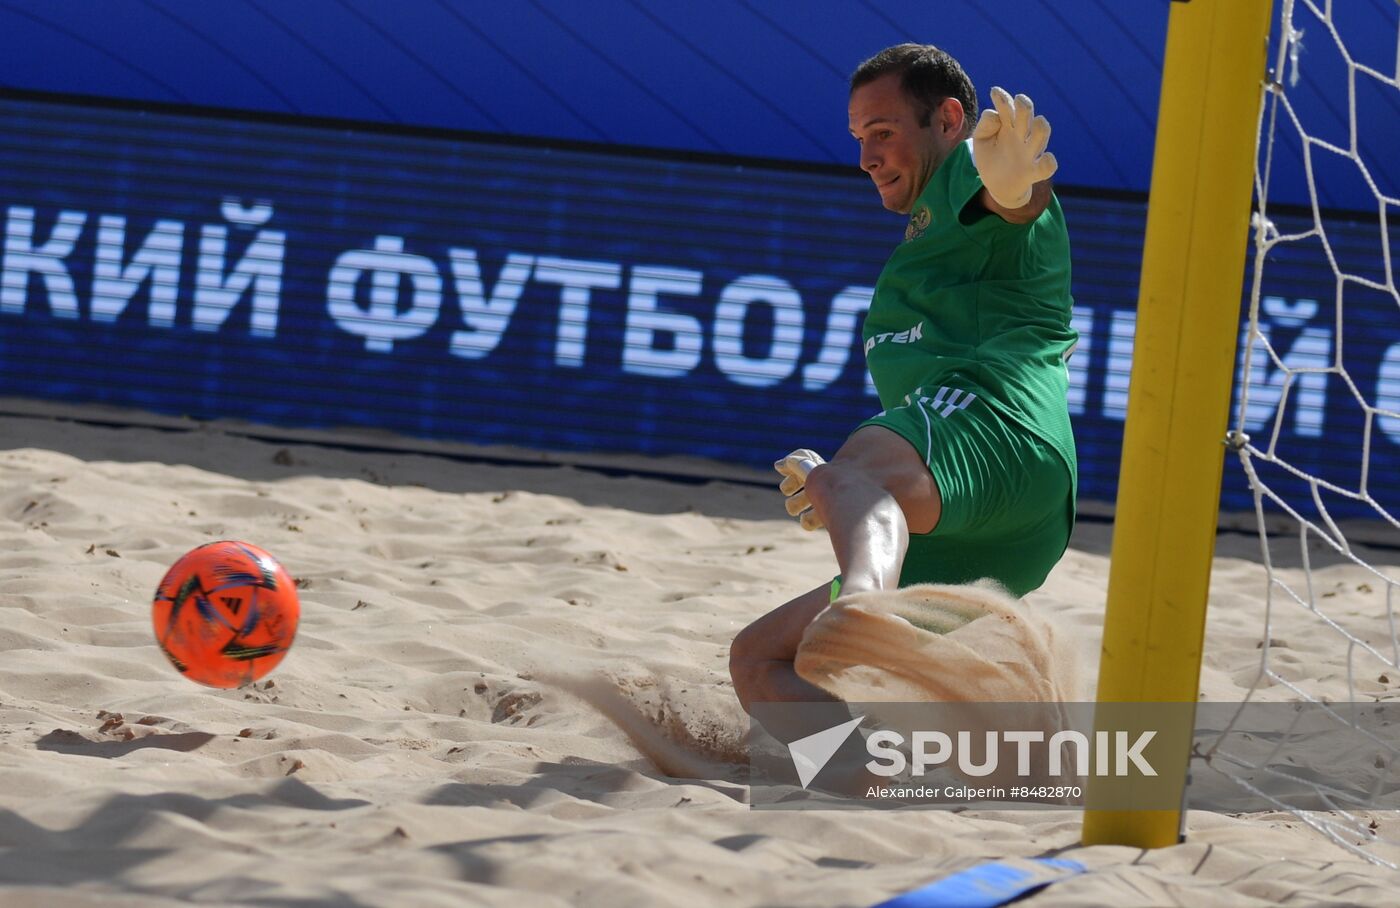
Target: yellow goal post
1183,363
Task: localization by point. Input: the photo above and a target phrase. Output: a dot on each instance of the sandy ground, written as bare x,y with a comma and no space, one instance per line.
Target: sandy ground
413,749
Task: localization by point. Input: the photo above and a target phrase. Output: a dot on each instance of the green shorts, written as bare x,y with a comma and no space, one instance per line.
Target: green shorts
1008,504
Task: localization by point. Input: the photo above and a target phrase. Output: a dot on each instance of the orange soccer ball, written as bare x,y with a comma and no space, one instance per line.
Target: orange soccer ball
225,614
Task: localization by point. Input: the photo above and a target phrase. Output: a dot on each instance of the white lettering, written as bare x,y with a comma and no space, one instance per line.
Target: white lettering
922,758
989,759
249,216
577,280
1134,753
936,748
1120,364
1023,741
22,258
786,346
841,329
1388,393
1081,752
1077,366
884,745
260,269
1301,372
381,324
645,320
157,260
486,315
907,336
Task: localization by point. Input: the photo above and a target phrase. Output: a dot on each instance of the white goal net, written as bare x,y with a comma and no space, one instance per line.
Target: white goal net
1316,425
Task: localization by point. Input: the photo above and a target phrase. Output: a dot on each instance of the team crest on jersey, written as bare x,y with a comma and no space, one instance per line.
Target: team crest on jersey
918,223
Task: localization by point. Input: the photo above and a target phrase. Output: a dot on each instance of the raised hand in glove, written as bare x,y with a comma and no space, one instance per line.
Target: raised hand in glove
1008,147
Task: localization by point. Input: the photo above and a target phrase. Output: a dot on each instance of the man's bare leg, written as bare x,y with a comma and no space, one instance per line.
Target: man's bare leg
871,496
761,656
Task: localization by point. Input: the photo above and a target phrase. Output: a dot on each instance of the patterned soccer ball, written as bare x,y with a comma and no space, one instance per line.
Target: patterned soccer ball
225,614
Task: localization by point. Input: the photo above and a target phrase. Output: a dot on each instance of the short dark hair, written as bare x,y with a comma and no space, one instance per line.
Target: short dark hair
928,76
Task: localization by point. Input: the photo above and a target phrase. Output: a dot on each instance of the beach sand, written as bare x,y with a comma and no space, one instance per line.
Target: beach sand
420,746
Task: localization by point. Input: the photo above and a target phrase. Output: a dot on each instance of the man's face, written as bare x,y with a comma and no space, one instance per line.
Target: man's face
898,153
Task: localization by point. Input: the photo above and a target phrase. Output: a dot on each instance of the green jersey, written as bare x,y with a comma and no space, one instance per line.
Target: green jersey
976,310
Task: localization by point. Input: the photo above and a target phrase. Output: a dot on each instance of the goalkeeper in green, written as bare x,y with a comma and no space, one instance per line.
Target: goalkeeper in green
969,472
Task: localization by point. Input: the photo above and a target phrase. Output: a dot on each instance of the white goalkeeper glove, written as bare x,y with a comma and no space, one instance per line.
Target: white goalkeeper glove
795,468
1008,147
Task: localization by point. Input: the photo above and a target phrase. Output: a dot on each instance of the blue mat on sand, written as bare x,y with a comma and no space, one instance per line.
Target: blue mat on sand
987,885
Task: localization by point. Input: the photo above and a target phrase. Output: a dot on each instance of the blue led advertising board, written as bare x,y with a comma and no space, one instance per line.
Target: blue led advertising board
571,300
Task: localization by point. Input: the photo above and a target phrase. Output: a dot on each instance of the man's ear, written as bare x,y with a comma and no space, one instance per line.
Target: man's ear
950,117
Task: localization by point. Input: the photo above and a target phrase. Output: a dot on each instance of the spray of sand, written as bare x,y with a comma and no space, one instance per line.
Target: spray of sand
949,644
709,747
970,643
998,661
